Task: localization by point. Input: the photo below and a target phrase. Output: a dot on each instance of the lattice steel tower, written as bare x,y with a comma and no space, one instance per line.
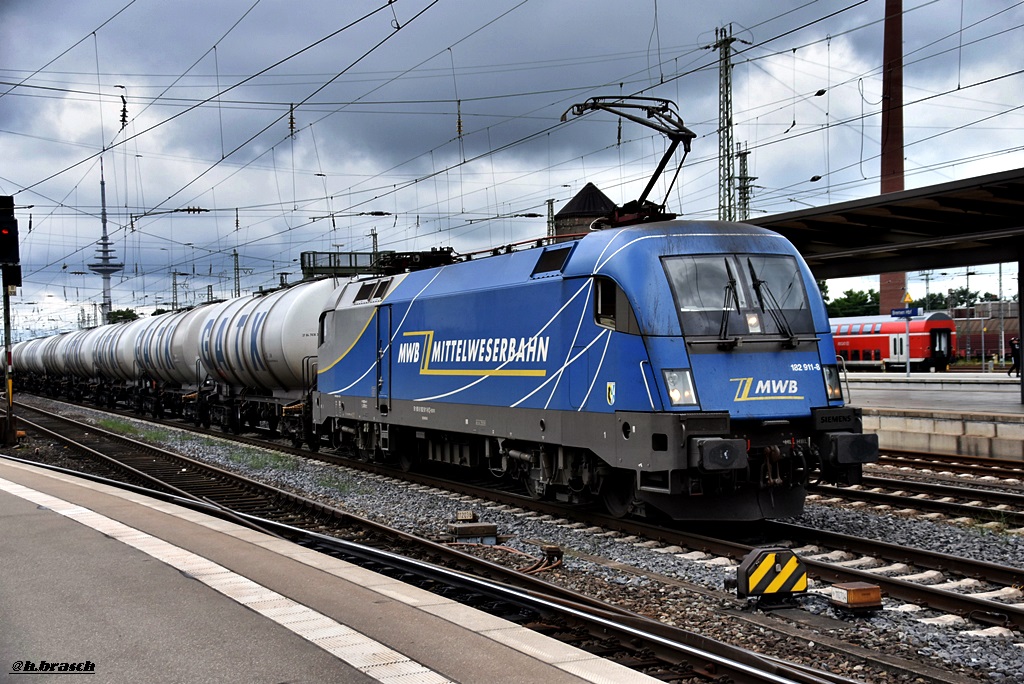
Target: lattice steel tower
726,169
105,264
744,187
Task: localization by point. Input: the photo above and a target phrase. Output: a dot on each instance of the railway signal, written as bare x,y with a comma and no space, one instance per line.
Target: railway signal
8,231
9,258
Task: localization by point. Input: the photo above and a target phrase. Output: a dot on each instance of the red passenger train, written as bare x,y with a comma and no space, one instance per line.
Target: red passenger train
880,342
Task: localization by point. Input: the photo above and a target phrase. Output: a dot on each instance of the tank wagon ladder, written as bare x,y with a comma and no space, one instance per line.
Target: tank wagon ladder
305,407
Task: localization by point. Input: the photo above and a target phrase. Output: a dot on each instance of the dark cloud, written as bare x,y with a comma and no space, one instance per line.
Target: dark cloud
447,119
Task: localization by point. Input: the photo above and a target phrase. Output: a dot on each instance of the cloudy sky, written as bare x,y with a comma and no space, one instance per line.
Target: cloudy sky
315,126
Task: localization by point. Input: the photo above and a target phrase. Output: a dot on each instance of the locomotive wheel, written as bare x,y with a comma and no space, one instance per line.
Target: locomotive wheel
532,490
617,494
406,460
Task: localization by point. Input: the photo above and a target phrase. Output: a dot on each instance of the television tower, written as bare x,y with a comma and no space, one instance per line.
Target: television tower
105,265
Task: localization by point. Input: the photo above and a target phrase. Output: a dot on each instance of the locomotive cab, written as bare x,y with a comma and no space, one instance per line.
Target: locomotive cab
745,366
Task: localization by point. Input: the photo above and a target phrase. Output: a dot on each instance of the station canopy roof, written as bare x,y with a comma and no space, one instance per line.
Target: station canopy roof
963,223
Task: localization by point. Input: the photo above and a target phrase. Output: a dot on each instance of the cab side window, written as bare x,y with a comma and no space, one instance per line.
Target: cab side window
322,328
611,308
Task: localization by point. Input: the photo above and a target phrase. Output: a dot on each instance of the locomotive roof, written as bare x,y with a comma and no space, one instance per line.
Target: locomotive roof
599,248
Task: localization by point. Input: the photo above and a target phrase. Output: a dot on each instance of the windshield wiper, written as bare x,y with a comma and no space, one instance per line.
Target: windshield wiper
766,300
732,298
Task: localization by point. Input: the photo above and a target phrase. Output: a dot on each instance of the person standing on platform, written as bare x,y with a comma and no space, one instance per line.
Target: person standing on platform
1015,354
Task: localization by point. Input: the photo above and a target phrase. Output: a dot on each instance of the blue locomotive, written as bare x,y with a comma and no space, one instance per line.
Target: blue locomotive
681,367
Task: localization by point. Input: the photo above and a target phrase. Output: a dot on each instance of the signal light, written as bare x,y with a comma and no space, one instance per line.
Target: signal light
8,231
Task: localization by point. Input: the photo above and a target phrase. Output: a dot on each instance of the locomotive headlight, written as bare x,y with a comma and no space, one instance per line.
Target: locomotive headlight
753,323
679,384
833,385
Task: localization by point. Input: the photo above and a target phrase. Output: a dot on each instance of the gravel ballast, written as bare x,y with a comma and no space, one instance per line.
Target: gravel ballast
694,598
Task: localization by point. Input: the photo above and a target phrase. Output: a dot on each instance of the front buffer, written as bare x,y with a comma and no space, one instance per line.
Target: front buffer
760,430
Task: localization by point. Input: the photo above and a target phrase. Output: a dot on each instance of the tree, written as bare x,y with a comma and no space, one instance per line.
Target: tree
961,296
158,311
122,315
933,302
854,303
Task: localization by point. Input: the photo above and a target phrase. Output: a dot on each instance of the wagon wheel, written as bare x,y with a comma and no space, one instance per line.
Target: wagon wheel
312,440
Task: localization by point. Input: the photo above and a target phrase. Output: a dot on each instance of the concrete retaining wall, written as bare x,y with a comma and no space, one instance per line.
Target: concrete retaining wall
945,432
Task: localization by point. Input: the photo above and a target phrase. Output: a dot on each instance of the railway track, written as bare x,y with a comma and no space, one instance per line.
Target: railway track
950,465
668,653
972,592
976,591
914,497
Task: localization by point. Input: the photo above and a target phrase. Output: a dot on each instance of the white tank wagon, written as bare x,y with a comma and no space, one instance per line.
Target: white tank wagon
211,341
168,348
27,356
116,366
30,366
27,360
268,341
260,352
55,354
80,353
115,351
143,344
67,364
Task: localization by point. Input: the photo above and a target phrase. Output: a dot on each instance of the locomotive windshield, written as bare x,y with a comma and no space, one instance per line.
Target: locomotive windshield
746,294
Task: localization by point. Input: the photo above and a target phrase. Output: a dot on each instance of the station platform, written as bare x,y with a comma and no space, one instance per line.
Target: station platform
133,589
966,414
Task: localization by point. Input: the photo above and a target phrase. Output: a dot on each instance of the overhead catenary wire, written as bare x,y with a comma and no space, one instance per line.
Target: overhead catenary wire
391,184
